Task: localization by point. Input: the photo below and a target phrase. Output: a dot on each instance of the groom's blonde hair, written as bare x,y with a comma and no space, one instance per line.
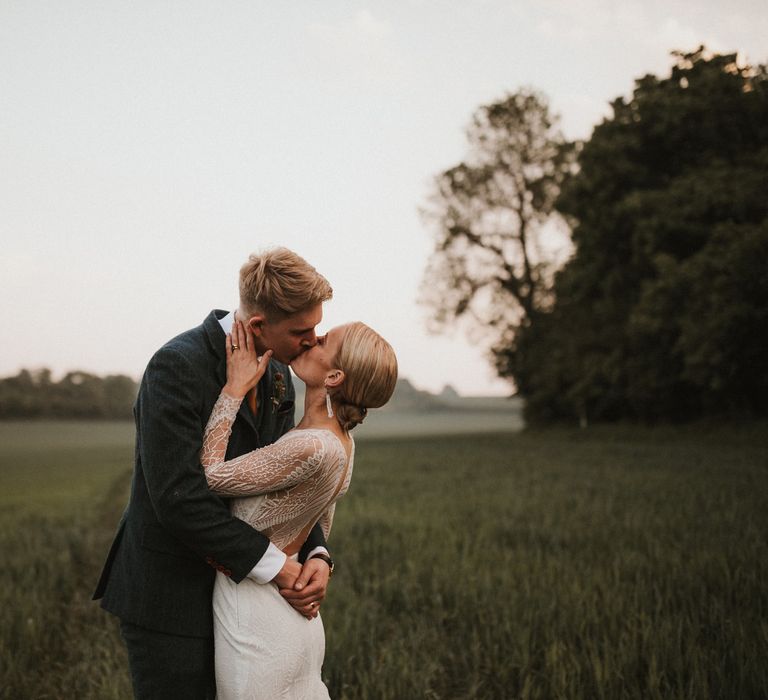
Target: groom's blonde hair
279,283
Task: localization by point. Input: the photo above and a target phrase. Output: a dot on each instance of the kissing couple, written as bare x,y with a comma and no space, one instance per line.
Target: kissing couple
220,562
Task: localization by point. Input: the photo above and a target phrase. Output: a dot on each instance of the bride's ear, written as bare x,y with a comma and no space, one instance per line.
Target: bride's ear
334,378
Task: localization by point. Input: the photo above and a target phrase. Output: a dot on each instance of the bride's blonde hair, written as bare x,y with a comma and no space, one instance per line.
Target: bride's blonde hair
370,374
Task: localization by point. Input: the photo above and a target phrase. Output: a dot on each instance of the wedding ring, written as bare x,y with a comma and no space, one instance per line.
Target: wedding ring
235,347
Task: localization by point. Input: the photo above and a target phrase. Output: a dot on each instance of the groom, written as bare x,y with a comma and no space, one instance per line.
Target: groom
175,534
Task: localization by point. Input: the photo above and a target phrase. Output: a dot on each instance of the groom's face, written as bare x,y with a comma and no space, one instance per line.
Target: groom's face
289,337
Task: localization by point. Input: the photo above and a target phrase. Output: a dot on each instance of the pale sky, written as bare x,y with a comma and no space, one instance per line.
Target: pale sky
148,147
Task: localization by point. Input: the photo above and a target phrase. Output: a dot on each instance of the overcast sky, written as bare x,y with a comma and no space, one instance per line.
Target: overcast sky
146,148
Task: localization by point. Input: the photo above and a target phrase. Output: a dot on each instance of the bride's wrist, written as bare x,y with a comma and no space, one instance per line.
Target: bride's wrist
234,392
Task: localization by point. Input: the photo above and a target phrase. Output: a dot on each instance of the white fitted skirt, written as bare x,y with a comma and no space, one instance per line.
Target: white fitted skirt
264,648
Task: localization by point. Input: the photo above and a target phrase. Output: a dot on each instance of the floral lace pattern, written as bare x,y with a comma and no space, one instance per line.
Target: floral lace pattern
282,489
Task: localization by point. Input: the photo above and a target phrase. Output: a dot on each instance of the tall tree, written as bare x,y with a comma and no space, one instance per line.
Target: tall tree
662,312
490,264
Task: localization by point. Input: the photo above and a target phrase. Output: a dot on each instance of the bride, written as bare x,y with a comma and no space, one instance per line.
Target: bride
264,648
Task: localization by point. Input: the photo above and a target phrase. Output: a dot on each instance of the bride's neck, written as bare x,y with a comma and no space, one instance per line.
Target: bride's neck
316,411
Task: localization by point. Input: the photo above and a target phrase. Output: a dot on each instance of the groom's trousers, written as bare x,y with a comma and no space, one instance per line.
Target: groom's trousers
167,666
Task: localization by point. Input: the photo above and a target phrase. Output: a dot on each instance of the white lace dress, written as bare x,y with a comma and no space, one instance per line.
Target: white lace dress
263,647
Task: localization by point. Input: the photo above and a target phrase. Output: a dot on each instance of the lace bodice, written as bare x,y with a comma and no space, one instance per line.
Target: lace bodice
282,489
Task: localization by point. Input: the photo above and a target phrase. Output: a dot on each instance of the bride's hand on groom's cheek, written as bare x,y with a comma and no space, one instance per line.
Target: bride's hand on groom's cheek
244,367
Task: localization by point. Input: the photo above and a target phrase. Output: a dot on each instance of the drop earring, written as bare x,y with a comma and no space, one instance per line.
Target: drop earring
328,404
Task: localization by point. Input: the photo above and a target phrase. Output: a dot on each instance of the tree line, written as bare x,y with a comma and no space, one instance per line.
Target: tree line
660,313
77,395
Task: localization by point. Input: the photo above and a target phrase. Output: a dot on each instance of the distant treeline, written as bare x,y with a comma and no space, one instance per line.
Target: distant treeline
82,395
34,394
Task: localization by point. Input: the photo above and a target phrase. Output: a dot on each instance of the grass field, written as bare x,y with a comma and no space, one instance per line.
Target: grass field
607,563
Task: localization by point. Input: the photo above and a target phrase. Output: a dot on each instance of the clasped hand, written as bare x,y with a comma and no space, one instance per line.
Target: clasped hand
303,586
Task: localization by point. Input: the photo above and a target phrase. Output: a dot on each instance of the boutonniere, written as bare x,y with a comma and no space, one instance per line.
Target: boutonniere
278,390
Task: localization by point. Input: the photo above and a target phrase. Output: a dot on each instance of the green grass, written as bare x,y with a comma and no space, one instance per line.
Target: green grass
60,467
62,489
608,563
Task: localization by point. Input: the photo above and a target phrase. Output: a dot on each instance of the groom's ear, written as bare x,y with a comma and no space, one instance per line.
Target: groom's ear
256,324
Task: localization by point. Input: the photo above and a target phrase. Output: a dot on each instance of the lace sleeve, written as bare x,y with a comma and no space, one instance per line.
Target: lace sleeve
218,430
293,459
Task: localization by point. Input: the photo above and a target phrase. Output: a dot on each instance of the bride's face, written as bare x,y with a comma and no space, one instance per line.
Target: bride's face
314,365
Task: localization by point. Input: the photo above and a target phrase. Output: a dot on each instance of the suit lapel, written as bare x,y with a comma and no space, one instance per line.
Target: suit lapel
244,413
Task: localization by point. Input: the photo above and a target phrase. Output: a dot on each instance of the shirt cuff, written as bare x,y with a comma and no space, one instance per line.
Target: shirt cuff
318,550
269,565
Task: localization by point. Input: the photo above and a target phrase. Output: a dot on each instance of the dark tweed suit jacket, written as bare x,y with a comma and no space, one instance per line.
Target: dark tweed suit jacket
175,533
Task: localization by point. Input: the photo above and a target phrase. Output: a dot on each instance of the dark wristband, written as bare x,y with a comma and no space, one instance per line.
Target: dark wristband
327,560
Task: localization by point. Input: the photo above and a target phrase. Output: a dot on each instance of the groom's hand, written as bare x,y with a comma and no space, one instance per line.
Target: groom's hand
287,576
309,588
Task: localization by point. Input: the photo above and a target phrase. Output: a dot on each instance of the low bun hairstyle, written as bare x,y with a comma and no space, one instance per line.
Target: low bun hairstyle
370,374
